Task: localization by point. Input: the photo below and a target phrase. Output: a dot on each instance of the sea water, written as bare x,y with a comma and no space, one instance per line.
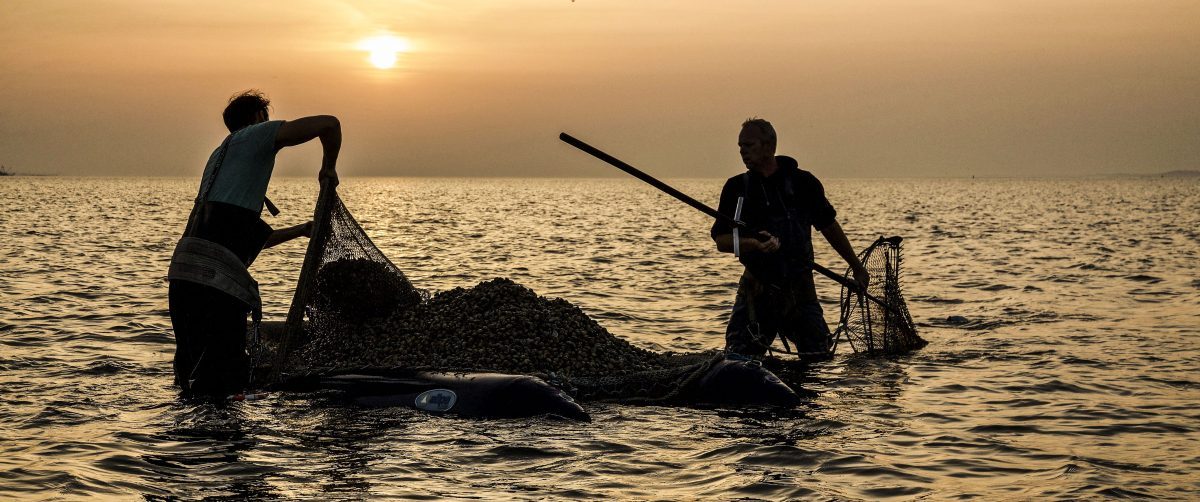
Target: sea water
1063,318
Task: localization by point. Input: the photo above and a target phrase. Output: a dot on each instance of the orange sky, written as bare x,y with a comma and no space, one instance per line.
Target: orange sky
855,88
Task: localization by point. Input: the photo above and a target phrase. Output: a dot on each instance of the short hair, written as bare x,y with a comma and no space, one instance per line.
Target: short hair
242,108
762,126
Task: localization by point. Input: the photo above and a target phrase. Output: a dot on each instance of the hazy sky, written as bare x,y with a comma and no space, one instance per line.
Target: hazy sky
855,88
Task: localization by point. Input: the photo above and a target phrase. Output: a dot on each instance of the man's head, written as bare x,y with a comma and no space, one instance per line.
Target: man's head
757,143
246,108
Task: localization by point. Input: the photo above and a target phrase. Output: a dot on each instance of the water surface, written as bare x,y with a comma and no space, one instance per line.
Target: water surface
1063,318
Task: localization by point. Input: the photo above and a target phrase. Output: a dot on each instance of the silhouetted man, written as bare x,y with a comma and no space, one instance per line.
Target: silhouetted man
211,290
776,295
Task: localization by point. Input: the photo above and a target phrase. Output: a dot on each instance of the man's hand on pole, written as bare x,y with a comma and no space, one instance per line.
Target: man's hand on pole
861,277
768,244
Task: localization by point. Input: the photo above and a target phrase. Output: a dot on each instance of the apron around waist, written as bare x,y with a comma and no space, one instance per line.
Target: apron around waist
210,264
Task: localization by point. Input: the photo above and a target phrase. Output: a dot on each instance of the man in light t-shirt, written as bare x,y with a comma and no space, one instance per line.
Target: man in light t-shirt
225,234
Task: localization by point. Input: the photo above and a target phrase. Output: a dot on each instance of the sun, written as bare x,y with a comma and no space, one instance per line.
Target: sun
383,50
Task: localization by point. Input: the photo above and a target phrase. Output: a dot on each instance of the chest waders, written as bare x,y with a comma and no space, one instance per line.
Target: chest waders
783,298
214,265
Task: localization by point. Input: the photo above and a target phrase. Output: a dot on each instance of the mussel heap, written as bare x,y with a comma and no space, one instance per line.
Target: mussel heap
498,325
359,288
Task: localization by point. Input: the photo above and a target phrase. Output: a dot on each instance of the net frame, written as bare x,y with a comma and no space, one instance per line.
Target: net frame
871,328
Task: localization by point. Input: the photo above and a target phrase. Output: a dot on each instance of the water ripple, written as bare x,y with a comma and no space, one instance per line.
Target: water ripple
1061,313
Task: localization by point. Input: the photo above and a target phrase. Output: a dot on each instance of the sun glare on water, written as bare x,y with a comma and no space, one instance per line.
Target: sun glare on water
383,49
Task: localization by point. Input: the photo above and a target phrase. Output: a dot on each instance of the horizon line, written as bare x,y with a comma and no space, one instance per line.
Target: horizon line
1177,173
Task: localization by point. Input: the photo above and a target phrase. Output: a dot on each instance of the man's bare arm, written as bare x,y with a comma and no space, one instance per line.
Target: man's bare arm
837,238
281,236
302,130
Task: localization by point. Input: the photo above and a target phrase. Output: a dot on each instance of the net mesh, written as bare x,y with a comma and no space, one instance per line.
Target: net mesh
870,327
355,311
354,281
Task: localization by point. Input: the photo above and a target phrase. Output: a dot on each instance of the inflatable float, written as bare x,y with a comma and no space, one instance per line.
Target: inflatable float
718,382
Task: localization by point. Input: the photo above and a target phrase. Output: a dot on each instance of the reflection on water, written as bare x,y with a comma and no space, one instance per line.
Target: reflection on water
1062,315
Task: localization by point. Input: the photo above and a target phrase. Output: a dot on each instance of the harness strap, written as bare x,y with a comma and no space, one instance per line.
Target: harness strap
746,186
205,187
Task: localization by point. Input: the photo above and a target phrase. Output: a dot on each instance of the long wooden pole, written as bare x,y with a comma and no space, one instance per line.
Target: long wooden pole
615,162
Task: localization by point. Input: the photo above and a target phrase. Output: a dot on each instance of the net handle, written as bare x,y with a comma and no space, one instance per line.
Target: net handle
293,328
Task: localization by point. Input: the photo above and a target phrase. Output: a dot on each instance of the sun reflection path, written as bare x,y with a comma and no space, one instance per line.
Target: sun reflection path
383,49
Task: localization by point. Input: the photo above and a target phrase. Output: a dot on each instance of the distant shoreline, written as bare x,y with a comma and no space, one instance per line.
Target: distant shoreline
1183,173
1179,173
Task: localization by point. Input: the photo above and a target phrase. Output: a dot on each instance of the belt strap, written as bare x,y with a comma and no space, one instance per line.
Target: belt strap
210,264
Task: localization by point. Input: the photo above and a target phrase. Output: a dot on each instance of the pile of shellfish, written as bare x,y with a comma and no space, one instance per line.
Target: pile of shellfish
497,325
359,288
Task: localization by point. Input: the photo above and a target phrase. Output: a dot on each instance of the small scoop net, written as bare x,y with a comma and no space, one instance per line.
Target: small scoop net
872,328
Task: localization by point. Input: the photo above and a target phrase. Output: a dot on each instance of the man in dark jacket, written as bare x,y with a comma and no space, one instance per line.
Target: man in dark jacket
776,294
211,290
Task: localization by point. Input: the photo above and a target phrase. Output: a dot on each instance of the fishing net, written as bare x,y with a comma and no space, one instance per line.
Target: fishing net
355,311
669,382
872,327
344,276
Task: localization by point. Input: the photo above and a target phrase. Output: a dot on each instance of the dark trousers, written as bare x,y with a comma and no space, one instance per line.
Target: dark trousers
762,311
210,340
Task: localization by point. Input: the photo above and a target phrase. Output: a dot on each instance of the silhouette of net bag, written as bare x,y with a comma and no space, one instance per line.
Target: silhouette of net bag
344,277
355,311
872,328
